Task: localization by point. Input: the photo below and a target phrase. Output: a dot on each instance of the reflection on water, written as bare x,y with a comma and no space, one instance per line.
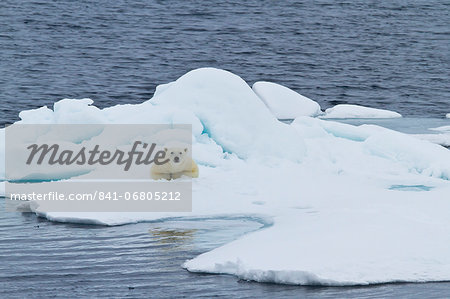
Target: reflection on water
165,236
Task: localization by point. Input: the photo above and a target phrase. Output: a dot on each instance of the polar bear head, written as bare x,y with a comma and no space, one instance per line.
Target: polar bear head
177,156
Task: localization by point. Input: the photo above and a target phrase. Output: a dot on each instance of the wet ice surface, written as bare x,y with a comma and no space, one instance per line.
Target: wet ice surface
405,125
431,129
43,258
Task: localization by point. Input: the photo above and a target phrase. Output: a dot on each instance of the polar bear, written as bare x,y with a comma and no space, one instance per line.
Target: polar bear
179,163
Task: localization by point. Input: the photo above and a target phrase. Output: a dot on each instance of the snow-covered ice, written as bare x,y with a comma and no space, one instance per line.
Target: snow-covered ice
376,238
284,102
343,204
448,115
231,114
441,139
356,111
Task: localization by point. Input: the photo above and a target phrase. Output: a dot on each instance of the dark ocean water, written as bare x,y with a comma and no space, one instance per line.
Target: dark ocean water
385,54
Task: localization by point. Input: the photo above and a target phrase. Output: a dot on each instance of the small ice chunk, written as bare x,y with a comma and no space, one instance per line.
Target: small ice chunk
355,111
441,129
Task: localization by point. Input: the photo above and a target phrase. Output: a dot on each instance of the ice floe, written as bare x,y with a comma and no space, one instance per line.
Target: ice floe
355,111
344,204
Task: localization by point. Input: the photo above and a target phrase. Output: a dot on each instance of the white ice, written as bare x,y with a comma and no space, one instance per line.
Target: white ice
284,102
441,139
346,204
442,129
355,111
